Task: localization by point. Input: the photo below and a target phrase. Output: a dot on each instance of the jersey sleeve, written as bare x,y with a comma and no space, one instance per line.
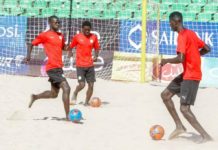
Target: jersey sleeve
40,39
96,44
181,44
73,42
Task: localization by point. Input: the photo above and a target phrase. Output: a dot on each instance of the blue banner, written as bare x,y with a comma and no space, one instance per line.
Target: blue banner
12,43
208,32
130,36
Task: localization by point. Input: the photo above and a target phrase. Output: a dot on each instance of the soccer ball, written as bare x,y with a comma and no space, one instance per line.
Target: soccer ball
157,132
95,102
75,115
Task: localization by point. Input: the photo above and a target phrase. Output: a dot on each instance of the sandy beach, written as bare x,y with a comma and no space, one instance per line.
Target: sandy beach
121,123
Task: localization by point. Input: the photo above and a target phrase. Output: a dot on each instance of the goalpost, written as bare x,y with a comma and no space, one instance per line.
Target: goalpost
143,47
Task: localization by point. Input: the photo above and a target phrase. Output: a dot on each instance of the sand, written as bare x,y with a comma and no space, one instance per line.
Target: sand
122,123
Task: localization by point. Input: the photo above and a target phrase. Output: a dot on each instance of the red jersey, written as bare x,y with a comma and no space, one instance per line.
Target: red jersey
84,45
189,44
53,43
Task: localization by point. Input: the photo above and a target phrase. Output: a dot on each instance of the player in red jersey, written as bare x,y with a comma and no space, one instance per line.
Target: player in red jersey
53,42
186,84
84,43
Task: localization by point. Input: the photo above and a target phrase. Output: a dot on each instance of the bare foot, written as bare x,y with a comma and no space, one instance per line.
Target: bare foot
205,139
177,132
86,104
33,98
67,119
73,102
73,99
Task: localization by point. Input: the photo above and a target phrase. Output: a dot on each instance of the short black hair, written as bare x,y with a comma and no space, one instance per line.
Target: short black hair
52,17
87,23
176,16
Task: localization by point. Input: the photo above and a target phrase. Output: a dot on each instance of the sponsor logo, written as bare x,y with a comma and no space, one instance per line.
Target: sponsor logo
10,61
170,71
13,46
12,31
99,65
136,45
130,36
9,32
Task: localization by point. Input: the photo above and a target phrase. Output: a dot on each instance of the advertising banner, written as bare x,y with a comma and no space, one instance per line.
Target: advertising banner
130,36
12,44
208,32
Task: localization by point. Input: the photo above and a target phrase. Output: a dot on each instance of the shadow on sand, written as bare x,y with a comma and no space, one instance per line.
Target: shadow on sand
58,119
103,103
192,137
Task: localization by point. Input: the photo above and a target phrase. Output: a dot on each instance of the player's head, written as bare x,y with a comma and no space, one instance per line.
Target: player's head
54,23
175,20
86,28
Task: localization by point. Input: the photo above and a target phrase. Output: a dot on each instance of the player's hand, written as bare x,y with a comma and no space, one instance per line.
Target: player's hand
163,62
95,59
27,59
70,54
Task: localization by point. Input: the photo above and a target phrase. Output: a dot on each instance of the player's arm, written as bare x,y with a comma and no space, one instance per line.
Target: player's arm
38,40
96,55
181,50
97,49
65,46
70,52
176,60
29,51
71,46
205,50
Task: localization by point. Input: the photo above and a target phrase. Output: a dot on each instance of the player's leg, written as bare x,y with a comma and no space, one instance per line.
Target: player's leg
166,95
89,92
188,95
167,99
186,111
79,87
53,93
57,78
66,96
81,84
90,78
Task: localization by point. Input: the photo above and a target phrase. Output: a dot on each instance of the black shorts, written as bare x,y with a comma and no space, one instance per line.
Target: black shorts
85,74
56,76
185,89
